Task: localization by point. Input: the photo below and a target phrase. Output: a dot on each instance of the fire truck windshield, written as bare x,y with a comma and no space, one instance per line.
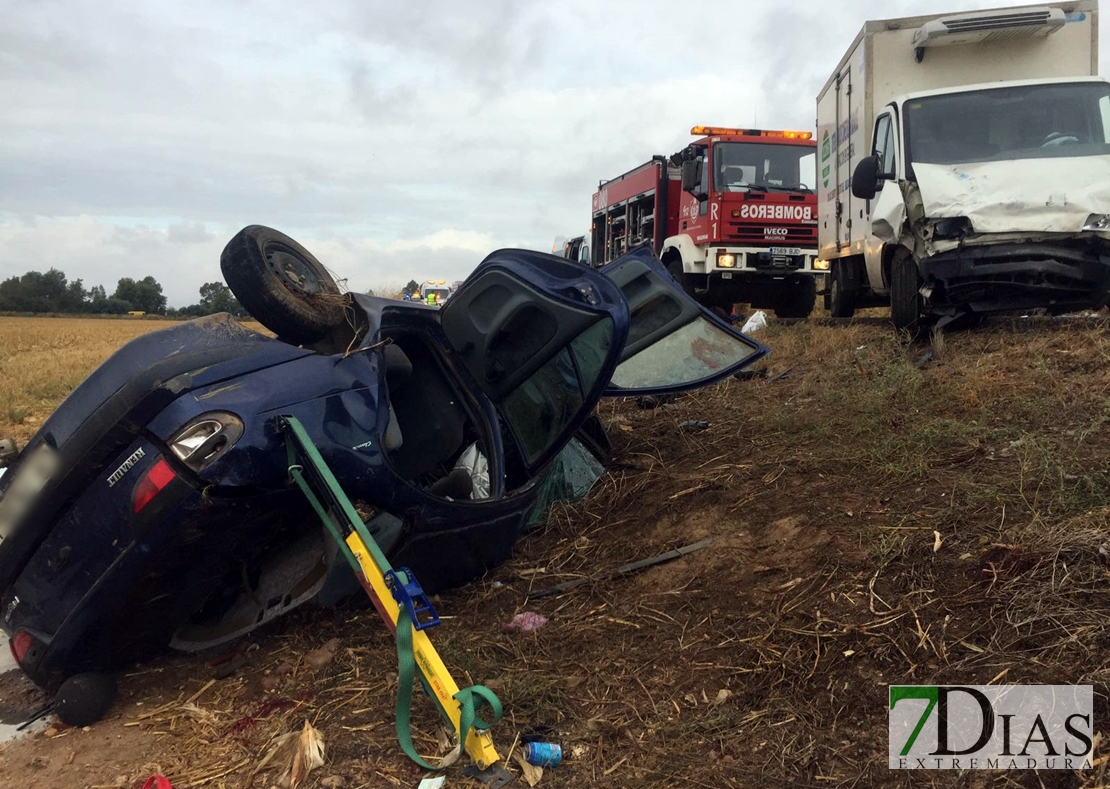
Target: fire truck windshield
741,166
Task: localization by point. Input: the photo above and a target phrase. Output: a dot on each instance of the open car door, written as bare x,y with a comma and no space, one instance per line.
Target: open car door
541,337
674,344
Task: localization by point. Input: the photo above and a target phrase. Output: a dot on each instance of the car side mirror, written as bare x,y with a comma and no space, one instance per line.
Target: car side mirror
691,175
865,179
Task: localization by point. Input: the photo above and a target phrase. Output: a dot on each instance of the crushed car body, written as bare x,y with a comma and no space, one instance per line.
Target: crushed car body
154,507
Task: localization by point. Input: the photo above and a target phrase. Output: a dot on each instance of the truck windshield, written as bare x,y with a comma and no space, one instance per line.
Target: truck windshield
1021,122
740,166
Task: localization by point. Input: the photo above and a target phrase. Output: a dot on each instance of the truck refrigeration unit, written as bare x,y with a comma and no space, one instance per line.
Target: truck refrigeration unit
965,166
733,216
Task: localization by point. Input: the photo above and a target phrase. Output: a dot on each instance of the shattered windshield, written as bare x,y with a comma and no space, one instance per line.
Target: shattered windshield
1023,122
741,166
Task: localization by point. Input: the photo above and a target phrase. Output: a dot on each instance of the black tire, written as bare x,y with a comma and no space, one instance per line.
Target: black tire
905,298
685,281
282,285
842,302
83,699
796,299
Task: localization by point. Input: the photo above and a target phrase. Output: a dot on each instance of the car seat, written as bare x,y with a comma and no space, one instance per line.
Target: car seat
398,368
427,413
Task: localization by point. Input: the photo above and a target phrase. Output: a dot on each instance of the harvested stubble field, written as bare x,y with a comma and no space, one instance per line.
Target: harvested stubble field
762,661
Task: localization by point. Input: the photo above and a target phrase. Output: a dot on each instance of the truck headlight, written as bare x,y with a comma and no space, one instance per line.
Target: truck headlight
821,265
1097,223
726,260
952,227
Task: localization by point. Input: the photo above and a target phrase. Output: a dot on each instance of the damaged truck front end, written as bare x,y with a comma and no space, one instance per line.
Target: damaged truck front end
997,200
1056,276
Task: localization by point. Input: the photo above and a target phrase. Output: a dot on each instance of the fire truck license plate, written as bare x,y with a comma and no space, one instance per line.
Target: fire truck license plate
786,250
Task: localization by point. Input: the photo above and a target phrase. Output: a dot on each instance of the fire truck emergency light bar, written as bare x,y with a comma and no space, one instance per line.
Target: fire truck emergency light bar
718,130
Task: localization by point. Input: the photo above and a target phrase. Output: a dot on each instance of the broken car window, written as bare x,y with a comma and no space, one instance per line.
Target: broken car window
698,350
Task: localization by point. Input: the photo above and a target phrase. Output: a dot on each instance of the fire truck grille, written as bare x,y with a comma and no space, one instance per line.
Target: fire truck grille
757,235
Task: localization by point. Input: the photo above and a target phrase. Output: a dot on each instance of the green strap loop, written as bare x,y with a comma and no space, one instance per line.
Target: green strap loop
471,700
406,670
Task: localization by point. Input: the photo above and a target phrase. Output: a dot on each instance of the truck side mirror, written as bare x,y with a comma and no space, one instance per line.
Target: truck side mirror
865,180
691,174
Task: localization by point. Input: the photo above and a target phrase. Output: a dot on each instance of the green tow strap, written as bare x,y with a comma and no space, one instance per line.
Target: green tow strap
470,699
340,517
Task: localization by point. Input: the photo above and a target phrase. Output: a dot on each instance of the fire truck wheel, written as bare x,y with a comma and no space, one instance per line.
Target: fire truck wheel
674,268
282,285
841,301
796,299
905,296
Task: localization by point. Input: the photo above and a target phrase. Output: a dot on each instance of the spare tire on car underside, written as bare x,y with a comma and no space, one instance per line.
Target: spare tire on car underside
282,285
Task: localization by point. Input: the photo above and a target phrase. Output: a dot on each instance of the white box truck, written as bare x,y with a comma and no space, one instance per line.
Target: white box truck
964,166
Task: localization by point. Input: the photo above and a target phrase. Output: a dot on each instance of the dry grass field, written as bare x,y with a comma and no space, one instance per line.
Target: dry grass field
43,359
882,514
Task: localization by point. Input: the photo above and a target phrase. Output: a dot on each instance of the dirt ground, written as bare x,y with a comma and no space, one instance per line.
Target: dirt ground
879,514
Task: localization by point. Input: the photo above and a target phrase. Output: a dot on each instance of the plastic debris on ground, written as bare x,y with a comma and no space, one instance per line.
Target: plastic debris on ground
694,425
757,321
318,658
572,474
653,401
532,773
527,622
432,783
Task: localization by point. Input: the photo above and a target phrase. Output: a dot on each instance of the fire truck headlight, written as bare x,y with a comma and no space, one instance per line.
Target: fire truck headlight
821,265
726,260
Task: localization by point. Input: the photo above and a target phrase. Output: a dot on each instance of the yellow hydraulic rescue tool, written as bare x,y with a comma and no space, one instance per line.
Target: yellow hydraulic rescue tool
405,609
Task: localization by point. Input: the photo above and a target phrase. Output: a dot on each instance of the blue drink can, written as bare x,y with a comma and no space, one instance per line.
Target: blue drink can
543,754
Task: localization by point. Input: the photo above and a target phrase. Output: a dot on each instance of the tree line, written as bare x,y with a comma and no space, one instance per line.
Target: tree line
52,292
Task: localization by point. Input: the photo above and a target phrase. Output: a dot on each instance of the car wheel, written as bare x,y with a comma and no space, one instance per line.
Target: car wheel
796,299
905,296
282,285
83,699
841,301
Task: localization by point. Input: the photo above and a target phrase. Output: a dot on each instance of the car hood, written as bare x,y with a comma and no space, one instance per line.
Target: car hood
190,354
1054,195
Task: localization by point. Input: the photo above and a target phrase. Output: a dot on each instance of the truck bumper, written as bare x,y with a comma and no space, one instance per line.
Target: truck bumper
1059,278
749,261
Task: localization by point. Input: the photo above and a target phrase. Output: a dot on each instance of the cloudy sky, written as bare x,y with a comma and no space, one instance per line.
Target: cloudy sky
395,140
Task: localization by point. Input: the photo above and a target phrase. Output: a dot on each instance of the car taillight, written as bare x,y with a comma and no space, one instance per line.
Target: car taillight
206,438
153,481
19,644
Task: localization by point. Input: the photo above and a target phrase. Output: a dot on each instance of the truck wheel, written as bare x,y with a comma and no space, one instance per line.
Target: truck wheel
797,298
841,301
905,298
282,285
674,268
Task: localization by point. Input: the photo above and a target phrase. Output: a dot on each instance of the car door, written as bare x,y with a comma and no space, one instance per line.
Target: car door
673,344
541,337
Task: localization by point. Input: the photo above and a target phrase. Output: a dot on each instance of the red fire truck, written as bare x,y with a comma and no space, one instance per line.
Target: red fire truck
733,216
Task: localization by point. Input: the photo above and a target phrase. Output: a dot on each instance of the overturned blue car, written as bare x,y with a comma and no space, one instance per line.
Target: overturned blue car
155,508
